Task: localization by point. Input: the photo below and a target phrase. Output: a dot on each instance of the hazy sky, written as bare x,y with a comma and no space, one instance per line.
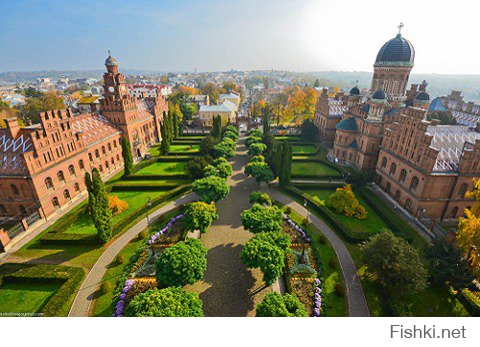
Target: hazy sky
297,35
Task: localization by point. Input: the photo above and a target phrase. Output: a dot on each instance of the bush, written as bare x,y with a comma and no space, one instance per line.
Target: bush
195,167
344,201
322,239
276,305
256,149
260,219
212,188
168,302
105,287
260,198
199,216
143,234
225,148
116,205
288,210
120,259
333,263
339,290
230,135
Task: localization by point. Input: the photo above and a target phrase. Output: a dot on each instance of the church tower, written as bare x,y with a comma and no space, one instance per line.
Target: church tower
392,67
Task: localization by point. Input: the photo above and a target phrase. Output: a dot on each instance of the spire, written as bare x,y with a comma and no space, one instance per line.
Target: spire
400,26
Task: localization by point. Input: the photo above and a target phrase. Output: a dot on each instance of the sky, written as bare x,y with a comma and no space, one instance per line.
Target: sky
213,35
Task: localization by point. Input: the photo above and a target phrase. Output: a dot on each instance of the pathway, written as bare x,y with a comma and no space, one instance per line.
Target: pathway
85,295
228,288
357,304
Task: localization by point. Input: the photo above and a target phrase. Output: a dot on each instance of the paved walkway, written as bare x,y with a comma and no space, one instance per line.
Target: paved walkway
357,304
229,289
84,298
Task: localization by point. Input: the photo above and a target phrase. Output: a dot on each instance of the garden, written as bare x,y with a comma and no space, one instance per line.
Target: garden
314,169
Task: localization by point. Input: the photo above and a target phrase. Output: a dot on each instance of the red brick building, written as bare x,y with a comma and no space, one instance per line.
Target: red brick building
43,165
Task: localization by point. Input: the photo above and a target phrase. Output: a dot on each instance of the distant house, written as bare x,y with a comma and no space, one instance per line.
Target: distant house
232,97
14,99
226,110
201,99
141,90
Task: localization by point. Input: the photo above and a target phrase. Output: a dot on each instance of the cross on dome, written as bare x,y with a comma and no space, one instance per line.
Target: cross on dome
400,26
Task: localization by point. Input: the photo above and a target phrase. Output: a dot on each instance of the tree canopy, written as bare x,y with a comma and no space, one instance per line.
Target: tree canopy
256,148
276,305
199,216
260,171
260,219
260,198
212,188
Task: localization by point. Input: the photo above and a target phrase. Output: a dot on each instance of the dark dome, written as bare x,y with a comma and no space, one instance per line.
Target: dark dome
111,61
396,51
379,95
422,96
355,91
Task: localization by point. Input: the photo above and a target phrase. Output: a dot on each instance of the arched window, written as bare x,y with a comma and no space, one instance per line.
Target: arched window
76,187
100,168
106,164
109,146
414,183
3,211
408,204
71,169
103,150
113,161
90,157
114,143
453,212
81,164
118,157
462,190
66,194
388,187
60,176
403,175
23,211
393,168
397,195
384,162
14,189
55,202
49,183
97,154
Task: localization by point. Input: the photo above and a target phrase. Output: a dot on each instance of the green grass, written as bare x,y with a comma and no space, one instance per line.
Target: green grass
26,296
165,168
162,182
314,169
184,148
303,149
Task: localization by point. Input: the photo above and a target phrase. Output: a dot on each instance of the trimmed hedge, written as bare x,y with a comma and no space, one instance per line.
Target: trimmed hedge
59,237
318,186
313,176
143,164
154,177
142,187
321,161
172,158
70,277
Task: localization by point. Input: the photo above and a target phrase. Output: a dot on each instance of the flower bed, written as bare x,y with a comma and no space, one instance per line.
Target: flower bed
302,275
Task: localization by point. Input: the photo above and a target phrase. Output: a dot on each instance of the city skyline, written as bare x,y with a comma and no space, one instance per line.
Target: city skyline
213,36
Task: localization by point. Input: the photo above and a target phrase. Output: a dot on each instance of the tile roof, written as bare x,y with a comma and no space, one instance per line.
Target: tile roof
11,152
336,107
437,105
347,124
88,99
94,127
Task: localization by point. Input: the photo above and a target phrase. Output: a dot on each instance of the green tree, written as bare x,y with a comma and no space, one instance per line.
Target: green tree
256,149
232,129
266,251
260,171
276,305
223,167
394,264
194,167
257,159
231,135
284,166
212,188
262,219
225,148
447,264
253,139
181,264
91,198
199,216
165,144
309,130
127,156
167,302
260,198
102,216
207,145
217,127
266,116
40,103
176,124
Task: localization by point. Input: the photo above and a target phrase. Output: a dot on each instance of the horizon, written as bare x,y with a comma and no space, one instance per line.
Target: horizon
210,36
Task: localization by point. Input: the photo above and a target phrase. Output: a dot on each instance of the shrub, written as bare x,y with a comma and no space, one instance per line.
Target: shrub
184,263
120,259
339,290
211,188
105,287
257,159
260,171
207,145
232,129
276,305
333,263
225,148
344,201
322,239
210,170
288,210
143,234
260,198
230,135
223,167
116,205
168,302
256,149
199,216
260,219
253,139
194,168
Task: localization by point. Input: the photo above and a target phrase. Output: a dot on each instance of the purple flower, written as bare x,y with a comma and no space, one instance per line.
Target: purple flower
123,296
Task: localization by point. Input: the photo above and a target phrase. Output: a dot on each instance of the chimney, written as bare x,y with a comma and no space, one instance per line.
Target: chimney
12,125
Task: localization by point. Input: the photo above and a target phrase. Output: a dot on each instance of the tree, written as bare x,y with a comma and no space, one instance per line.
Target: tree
91,198
181,264
262,219
447,264
254,138
309,130
211,188
266,251
210,170
257,159
260,198
127,156
394,264
207,145
101,213
194,167
266,115
223,167
232,129
40,103
225,148
211,90
167,302
231,135
165,144
260,171
199,216
276,305
283,162
176,122
344,201
256,149
217,127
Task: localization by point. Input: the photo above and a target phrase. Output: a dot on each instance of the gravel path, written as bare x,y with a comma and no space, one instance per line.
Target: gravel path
228,288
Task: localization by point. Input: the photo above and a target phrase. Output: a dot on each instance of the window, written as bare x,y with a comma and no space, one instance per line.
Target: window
106,165
118,157
49,183
55,202
81,164
453,212
100,168
66,194
403,175
103,150
90,157
14,189
71,169
462,190
408,204
114,143
414,183
384,162
97,154
388,187
113,161
23,211
60,176
76,186
393,168
3,211
397,195
109,147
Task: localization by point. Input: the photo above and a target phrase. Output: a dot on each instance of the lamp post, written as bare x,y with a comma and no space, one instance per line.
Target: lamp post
149,203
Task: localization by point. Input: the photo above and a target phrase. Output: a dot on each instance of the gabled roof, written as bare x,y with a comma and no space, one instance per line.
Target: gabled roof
94,127
88,99
348,124
437,105
12,150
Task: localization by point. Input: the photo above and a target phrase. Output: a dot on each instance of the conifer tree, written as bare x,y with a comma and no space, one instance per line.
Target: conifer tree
102,216
127,156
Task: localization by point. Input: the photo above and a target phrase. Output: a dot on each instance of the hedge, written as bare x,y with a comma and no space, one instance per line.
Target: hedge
70,277
318,186
142,187
470,302
155,177
313,176
321,161
172,158
59,237
347,233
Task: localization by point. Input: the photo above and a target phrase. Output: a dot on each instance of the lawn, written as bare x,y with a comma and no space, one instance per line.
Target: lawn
165,168
303,149
184,148
26,296
162,182
314,169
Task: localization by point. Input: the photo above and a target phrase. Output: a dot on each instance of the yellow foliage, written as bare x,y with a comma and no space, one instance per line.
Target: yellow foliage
116,205
344,201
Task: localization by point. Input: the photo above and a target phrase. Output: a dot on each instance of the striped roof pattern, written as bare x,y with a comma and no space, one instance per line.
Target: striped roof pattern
449,141
336,107
11,152
94,127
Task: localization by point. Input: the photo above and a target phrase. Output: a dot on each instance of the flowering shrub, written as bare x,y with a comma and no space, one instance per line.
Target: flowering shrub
116,205
164,230
344,201
120,307
318,298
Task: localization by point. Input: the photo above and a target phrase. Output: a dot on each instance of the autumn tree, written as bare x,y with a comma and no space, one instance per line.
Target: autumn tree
343,200
44,102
